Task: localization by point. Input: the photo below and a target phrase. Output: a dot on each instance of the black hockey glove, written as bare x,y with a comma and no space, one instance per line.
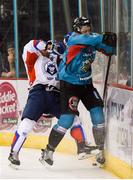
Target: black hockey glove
110,39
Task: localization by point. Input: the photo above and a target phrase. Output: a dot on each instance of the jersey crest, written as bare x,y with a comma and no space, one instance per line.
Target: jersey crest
51,68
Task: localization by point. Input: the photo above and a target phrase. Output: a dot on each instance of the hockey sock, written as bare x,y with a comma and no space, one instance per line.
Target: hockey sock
99,135
77,133
59,130
54,139
24,128
18,142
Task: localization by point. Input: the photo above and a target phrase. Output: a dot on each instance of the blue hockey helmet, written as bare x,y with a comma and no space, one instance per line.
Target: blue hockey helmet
58,47
66,37
55,46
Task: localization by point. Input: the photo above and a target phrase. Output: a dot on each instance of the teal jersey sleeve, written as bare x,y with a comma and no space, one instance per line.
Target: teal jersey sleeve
85,39
107,50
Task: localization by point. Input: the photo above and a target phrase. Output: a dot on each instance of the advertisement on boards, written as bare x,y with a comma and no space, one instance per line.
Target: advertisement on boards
13,97
8,106
119,116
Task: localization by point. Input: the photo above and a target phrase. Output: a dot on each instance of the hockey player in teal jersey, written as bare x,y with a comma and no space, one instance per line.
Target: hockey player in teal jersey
76,84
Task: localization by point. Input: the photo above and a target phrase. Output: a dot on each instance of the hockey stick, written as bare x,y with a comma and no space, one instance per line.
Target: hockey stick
106,78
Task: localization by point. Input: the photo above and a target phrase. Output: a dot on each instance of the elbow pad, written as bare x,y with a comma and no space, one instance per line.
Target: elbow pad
110,39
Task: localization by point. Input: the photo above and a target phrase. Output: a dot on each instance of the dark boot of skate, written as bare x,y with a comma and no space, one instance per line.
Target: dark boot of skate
47,156
14,160
100,157
85,151
90,149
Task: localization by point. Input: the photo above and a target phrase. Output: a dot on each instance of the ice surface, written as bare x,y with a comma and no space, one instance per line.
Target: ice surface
65,167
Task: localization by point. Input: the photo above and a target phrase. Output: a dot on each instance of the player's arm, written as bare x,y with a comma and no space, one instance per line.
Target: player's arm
108,45
85,39
107,50
106,41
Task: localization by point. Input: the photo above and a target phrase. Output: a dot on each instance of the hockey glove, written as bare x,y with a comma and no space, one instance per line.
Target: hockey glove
110,39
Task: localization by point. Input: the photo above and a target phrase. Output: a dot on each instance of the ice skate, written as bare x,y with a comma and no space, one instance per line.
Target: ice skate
100,159
82,155
46,157
90,149
14,160
85,151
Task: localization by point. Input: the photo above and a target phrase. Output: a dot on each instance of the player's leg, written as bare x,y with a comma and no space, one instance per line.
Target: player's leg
56,135
83,150
76,131
32,112
64,123
98,128
94,104
78,134
19,138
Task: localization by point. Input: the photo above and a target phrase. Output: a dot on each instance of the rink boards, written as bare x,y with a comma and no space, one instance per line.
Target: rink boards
119,118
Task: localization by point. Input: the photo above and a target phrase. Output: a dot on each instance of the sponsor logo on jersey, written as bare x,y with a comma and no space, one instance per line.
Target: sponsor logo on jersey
86,66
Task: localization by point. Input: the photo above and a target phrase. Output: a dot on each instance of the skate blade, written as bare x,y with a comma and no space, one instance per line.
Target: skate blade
95,152
86,155
44,163
82,156
13,166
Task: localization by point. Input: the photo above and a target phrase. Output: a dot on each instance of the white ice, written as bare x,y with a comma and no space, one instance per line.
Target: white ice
65,167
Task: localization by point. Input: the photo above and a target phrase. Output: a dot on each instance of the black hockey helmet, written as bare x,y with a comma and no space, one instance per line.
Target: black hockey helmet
79,22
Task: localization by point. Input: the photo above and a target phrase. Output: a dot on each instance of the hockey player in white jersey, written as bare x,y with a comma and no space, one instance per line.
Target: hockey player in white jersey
44,97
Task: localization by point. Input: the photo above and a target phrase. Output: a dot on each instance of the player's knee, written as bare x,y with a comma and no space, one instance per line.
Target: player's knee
97,115
26,126
77,133
66,121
